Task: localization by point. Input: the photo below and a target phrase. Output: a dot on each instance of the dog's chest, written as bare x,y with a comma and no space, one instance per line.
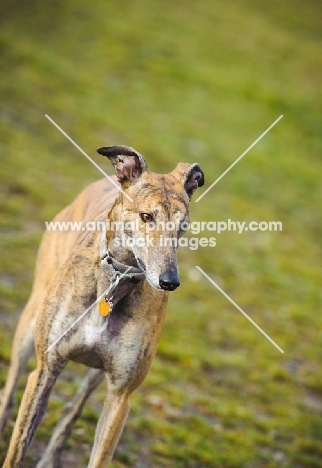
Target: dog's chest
103,340
95,329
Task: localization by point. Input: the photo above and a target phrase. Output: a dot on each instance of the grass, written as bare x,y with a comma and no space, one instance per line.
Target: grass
181,81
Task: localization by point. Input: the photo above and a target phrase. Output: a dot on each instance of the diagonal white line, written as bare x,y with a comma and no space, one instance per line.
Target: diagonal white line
84,313
90,159
238,159
240,310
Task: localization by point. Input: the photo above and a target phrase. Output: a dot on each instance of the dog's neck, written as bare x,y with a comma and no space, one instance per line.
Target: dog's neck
117,261
115,245
122,277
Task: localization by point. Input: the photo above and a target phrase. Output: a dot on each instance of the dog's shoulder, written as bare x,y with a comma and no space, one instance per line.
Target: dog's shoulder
75,227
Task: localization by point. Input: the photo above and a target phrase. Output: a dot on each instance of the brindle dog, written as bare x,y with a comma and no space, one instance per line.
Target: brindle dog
71,276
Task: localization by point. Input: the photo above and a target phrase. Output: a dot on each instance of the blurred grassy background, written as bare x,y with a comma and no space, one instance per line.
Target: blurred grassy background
181,81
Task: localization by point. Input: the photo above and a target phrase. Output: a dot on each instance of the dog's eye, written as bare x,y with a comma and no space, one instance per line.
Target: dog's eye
146,217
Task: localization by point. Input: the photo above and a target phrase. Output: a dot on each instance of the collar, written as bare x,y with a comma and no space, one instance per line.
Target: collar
116,271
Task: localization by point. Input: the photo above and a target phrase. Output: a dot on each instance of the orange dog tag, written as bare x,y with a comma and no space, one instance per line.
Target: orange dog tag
105,307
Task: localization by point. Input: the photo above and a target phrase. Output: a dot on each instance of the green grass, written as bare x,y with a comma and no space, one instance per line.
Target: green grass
181,81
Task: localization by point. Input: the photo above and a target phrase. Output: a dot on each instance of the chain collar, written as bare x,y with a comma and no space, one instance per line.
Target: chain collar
116,271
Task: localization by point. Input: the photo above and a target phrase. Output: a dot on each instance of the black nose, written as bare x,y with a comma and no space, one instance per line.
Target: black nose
169,281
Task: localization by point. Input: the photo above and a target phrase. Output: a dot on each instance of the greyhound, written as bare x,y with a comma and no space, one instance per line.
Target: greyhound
78,272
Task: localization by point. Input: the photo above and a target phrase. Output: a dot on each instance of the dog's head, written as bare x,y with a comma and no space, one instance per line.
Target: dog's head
152,211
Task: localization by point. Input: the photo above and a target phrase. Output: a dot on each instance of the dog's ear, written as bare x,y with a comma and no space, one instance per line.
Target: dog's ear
128,163
191,175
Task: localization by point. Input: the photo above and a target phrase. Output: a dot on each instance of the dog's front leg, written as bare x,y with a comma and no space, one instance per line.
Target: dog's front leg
72,410
109,428
32,409
22,349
